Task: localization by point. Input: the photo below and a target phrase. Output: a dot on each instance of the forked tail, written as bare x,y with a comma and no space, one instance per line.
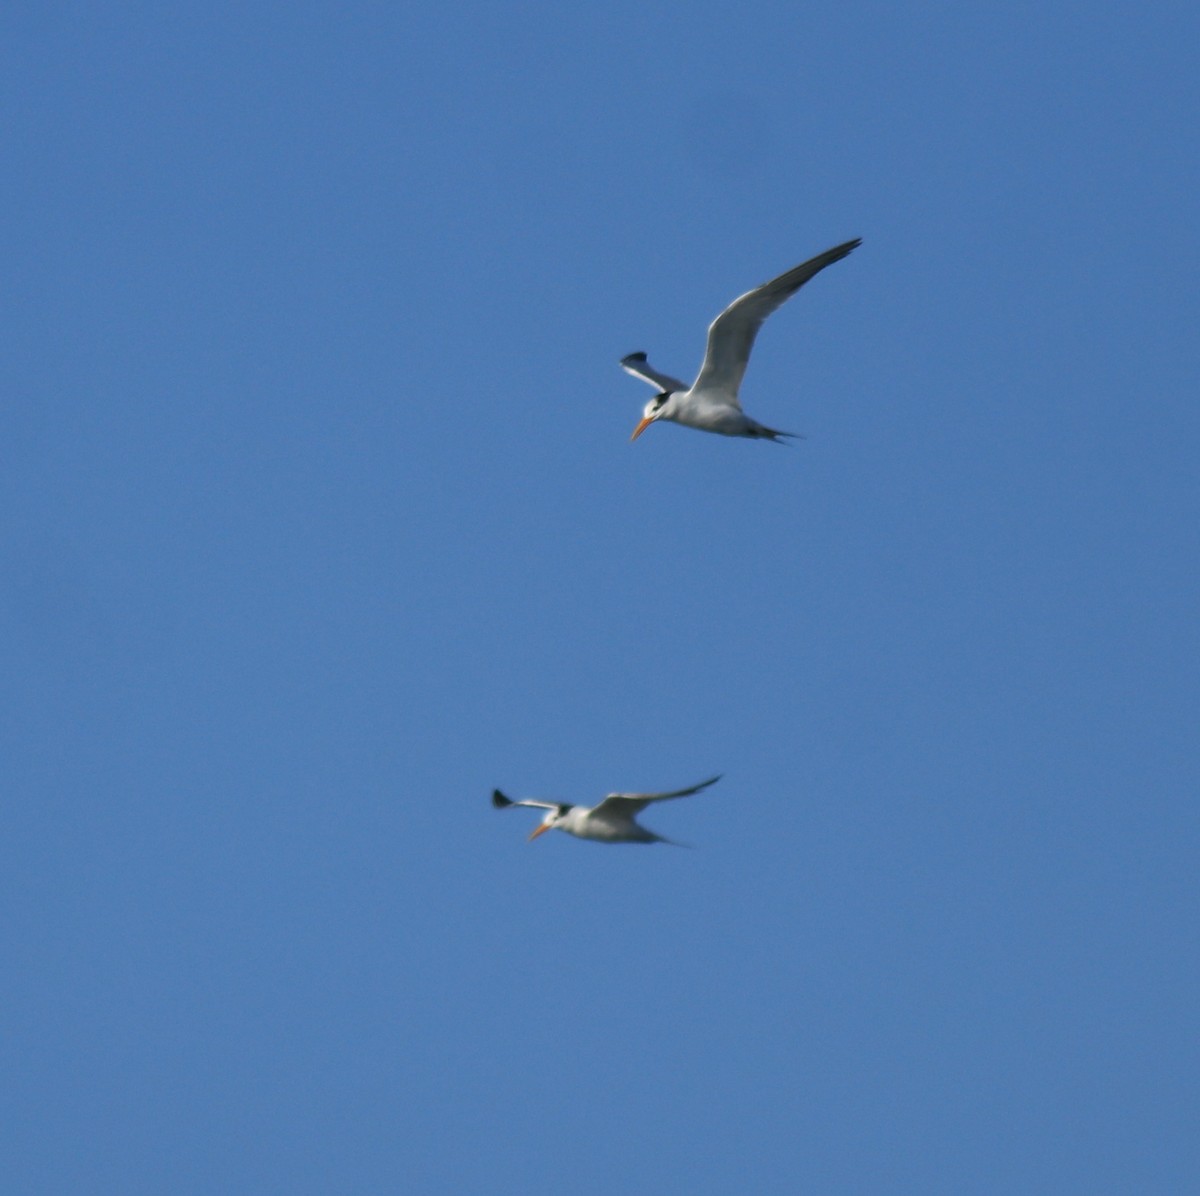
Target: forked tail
762,432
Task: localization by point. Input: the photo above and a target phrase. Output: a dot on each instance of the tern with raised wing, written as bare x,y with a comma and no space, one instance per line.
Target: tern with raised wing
711,402
614,820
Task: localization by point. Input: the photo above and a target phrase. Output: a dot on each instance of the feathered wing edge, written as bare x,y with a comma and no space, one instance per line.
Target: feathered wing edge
503,803
637,365
732,334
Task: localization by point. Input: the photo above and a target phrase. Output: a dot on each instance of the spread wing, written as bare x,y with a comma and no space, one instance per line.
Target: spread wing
637,365
502,803
731,335
626,805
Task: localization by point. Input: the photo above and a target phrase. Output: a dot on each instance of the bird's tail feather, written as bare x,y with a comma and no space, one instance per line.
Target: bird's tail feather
775,435
673,842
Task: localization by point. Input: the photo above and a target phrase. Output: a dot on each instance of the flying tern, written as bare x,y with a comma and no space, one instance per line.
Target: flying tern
612,821
711,402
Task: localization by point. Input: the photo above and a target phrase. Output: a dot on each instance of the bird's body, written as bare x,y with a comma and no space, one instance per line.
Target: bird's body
611,821
711,402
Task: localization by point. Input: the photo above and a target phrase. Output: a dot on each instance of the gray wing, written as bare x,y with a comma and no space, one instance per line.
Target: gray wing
637,365
731,335
502,803
626,805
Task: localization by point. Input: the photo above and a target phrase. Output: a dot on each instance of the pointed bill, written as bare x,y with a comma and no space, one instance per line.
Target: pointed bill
643,424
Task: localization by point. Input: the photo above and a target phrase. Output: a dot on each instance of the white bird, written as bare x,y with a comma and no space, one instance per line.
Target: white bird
612,821
711,402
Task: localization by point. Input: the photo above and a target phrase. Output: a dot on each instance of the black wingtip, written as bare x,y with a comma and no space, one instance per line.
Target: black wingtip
638,357
840,251
499,800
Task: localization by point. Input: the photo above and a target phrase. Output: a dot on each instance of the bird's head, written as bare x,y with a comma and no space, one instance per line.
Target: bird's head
549,822
652,411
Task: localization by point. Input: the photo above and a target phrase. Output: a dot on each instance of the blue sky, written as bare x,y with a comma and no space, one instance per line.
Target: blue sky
318,520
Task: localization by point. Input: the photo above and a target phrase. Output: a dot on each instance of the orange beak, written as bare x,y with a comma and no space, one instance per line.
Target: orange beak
645,423
540,830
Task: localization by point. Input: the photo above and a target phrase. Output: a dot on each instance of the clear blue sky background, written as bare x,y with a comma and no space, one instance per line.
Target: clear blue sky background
318,519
